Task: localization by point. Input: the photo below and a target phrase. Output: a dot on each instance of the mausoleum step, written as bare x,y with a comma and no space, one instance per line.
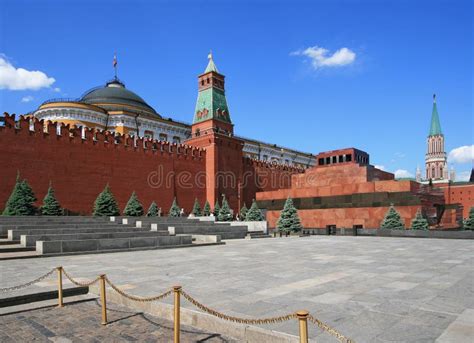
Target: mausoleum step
15,234
14,248
104,245
30,240
5,228
8,242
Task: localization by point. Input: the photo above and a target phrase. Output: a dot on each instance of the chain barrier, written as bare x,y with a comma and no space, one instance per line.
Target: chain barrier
202,307
78,283
136,298
41,278
220,315
329,330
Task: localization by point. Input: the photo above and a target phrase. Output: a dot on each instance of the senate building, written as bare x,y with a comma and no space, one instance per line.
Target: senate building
112,136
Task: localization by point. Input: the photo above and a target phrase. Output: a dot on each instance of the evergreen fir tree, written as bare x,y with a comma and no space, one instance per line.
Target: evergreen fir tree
254,214
224,213
175,210
243,212
197,208
51,205
207,209
419,223
152,210
392,220
21,200
217,209
289,219
469,222
134,208
105,204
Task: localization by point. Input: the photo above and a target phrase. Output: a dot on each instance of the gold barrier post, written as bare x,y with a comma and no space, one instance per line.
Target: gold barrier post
303,323
60,286
177,293
103,299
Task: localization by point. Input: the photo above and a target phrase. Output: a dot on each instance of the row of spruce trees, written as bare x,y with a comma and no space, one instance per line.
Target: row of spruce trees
394,221
22,199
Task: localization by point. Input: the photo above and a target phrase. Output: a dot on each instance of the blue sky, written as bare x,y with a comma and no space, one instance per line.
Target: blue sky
314,75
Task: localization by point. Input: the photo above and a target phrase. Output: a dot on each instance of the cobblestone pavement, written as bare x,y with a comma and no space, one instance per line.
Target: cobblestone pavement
80,322
372,289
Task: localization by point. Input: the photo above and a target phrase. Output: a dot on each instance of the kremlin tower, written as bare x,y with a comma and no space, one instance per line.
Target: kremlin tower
436,166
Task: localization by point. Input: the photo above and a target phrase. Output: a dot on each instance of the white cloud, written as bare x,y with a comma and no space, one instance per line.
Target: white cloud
379,167
463,176
27,98
402,173
463,154
57,89
20,79
321,57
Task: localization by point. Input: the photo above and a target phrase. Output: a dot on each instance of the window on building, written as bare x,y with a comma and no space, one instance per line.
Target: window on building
334,159
176,140
348,158
341,158
148,134
163,137
265,157
328,160
321,161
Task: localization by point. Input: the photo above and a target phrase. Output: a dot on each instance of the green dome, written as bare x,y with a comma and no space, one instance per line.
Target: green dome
114,96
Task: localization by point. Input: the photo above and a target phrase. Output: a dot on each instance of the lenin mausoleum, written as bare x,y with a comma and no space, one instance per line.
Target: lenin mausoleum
112,136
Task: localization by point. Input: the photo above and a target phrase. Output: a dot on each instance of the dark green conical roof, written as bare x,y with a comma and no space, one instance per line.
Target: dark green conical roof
435,128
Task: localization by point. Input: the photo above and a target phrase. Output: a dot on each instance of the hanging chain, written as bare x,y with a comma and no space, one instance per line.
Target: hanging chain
136,298
78,283
41,278
220,315
329,330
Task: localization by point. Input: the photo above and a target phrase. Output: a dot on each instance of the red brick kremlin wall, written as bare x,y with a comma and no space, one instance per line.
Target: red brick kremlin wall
79,168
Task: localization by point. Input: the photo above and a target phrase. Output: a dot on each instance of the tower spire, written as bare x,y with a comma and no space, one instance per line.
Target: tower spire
435,128
211,65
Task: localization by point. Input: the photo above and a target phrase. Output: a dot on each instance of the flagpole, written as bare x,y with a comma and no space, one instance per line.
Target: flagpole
115,65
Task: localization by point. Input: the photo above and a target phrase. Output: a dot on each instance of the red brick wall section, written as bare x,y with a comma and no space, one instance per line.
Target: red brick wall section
460,194
261,176
80,168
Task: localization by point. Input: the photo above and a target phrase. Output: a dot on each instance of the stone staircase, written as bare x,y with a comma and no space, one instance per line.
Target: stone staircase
31,236
43,235
187,226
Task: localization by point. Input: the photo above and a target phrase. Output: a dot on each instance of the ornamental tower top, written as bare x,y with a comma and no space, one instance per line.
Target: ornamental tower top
211,102
435,158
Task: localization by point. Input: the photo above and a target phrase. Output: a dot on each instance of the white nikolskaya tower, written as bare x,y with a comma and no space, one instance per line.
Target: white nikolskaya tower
435,159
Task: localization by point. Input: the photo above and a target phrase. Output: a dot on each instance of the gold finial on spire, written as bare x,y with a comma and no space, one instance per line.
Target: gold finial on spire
210,55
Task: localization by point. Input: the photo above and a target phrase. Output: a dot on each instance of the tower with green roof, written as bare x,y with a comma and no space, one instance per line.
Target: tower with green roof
213,131
211,102
435,158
